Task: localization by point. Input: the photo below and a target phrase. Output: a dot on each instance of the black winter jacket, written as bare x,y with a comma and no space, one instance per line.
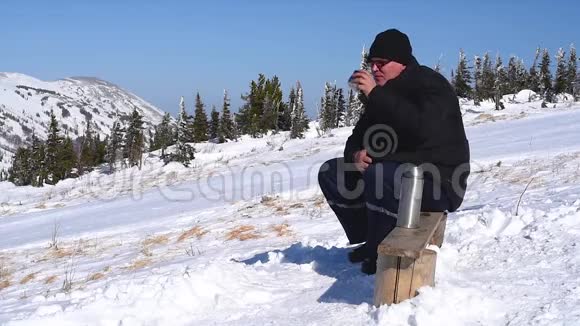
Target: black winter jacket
424,123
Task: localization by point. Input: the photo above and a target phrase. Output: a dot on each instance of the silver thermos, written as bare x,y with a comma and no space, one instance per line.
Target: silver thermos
410,198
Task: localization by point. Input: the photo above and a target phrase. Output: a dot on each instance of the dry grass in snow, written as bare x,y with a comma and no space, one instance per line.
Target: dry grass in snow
242,233
195,231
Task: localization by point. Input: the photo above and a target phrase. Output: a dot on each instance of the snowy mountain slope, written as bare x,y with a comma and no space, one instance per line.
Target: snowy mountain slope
138,249
25,104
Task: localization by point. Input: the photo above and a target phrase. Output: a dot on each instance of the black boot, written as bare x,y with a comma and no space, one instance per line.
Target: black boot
369,266
358,254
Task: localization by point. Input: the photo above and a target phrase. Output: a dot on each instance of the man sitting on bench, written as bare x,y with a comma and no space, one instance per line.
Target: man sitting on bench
412,116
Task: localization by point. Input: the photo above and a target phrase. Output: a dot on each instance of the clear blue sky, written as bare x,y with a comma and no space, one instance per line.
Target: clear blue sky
161,50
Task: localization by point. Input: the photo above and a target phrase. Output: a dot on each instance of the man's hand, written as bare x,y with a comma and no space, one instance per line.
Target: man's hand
362,160
365,82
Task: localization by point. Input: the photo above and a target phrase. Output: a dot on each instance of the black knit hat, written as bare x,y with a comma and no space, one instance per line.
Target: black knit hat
393,45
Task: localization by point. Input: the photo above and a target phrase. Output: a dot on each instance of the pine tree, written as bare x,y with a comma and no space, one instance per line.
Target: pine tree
268,119
340,108
299,119
255,118
572,88
560,82
545,76
522,76
134,140
183,136
364,61
184,151
163,135
327,108
285,113
88,149
251,112
115,145
355,105
501,76
214,125
68,159
243,119
487,78
20,172
200,124
332,106
358,108
237,130
185,123
272,93
350,109
245,116
534,78
37,169
53,144
478,81
462,81
100,150
226,122
500,83
512,76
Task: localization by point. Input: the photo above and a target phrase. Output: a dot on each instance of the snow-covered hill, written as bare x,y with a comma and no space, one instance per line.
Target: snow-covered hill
244,237
523,104
25,104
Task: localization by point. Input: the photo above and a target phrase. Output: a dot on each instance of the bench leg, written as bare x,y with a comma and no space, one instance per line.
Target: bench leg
385,284
398,278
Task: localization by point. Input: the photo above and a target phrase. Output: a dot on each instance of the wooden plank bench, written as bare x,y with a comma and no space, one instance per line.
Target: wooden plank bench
404,264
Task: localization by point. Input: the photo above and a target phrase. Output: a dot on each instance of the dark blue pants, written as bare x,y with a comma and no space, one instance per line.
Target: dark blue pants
365,203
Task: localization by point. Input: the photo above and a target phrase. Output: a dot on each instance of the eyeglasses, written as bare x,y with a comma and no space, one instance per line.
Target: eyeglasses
378,63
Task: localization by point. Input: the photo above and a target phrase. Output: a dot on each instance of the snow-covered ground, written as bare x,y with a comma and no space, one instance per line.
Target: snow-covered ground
244,237
517,106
